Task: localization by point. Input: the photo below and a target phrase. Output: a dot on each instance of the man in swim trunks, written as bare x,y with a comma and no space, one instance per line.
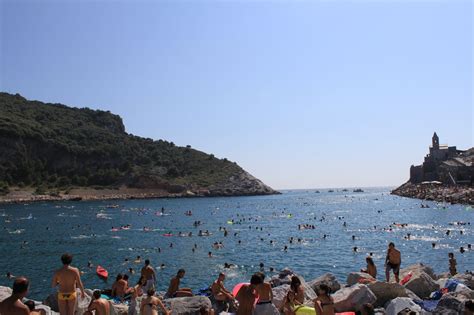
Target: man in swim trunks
392,262
68,278
174,290
149,273
99,305
13,304
219,292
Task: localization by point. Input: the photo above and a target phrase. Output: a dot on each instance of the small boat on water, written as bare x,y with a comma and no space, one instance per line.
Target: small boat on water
102,272
330,190
358,190
112,206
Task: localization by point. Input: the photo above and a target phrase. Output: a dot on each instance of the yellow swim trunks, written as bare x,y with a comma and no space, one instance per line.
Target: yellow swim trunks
66,296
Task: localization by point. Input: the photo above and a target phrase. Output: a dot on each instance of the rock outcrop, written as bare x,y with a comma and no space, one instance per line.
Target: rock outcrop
329,279
352,298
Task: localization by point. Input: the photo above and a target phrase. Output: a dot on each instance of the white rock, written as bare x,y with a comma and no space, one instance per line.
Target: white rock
386,291
352,298
399,304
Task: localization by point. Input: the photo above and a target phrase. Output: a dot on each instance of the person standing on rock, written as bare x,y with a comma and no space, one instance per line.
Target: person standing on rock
452,264
392,262
149,273
68,278
13,304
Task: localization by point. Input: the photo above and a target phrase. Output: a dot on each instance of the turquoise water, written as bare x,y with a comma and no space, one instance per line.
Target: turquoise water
50,229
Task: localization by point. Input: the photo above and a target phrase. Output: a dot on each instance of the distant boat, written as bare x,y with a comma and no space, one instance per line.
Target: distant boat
358,190
316,192
344,189
330,190
112,206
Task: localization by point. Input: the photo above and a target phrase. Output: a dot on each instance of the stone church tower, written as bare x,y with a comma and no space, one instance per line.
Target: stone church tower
435,141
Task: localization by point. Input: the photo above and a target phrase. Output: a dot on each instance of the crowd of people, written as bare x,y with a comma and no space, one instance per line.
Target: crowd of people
254,298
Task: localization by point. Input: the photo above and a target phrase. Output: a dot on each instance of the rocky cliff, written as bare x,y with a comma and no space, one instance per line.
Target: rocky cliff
53,150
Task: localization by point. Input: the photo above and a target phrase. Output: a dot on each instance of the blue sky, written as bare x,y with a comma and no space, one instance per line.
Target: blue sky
302,94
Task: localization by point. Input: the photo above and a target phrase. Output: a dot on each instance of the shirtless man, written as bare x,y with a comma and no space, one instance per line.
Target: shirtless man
68,278
392,262
264,292
13,304
99,305
219,292
174,290
149,273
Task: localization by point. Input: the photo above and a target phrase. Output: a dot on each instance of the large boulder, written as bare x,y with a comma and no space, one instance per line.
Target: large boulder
352,298
386,291
421,282
4,293
359,277
399,304
118,309
466,279
453,302
279,295
329,279
283,277
416,268
189,305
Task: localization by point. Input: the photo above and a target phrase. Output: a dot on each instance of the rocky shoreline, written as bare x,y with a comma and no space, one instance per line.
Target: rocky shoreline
89,194
424,293
435,192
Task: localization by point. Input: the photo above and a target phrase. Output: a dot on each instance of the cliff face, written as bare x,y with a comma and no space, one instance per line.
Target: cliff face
55,147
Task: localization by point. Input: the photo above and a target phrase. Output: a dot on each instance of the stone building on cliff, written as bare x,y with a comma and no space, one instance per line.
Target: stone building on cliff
445,164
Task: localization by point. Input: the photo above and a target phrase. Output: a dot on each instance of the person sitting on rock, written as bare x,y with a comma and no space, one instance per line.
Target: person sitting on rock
392,262
116,285
13,305
150,304
371,268
99,305
297,289
218,290
324,303
174,290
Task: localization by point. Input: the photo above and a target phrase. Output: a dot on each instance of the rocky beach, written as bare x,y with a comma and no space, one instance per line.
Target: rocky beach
424,293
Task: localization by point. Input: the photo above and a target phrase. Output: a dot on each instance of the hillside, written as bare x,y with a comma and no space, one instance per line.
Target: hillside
54,149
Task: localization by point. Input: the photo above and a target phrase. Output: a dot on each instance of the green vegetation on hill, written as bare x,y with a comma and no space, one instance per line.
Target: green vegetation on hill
55,146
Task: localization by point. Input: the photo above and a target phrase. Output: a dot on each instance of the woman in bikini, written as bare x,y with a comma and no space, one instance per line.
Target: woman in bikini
324,303
150,304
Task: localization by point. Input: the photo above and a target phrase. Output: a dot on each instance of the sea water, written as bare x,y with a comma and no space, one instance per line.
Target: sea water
33,236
